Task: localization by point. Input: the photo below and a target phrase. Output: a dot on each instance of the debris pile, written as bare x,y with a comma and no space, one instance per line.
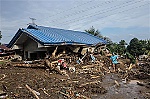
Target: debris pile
77,80
143,71
65,76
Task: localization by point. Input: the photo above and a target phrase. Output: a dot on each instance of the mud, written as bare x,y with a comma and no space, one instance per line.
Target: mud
126,90
82,84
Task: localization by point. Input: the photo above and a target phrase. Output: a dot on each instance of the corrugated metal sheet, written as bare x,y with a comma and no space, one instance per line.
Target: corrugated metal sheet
54,35
48,36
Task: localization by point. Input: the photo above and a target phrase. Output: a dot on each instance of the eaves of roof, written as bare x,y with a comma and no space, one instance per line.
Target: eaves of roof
13,40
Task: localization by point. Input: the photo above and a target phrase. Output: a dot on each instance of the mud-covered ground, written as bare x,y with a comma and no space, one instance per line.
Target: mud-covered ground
84,83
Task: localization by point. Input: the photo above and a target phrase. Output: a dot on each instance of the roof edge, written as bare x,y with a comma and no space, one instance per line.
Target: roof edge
13,40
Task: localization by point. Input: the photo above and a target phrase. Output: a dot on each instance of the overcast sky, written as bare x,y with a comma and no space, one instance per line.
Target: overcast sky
116,19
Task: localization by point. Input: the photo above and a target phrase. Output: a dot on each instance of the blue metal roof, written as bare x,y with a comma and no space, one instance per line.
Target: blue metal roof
48,36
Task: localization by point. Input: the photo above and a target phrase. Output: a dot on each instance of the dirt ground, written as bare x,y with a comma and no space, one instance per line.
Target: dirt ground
84,83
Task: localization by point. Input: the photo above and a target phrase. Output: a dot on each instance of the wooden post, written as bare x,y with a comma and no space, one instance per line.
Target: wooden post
54,53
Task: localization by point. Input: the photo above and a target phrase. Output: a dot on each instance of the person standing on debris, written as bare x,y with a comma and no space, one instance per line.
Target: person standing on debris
92,57
114,60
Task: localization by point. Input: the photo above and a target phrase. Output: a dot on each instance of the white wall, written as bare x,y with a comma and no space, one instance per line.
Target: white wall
31,46
17,47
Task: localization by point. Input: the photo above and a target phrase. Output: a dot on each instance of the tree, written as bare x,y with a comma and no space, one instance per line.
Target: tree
109,41
122,47
118,48
94,32
123,42
131,57
148,48
113,47
135,47
145,46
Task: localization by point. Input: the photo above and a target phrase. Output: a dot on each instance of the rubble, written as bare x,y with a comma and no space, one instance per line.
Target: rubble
3,94
79,78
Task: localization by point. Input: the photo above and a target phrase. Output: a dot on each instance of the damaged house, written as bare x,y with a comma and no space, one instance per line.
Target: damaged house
4,51
35,42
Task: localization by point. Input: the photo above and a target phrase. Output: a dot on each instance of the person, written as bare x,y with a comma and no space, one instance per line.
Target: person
62,64
114,60
92,57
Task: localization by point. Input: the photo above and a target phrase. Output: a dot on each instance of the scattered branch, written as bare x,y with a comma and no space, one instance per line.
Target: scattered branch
33,91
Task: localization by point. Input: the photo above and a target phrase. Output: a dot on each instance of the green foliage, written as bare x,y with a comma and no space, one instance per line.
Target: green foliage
108,40
95,32
134,49
131,57
138,47
123,42
121,47
118,48
112,47
146,46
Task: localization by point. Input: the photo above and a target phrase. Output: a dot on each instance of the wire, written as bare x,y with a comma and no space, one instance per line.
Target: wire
116,13
96,13
71,8
81,11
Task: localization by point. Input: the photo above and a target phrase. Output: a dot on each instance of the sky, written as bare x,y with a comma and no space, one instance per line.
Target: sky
115,19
